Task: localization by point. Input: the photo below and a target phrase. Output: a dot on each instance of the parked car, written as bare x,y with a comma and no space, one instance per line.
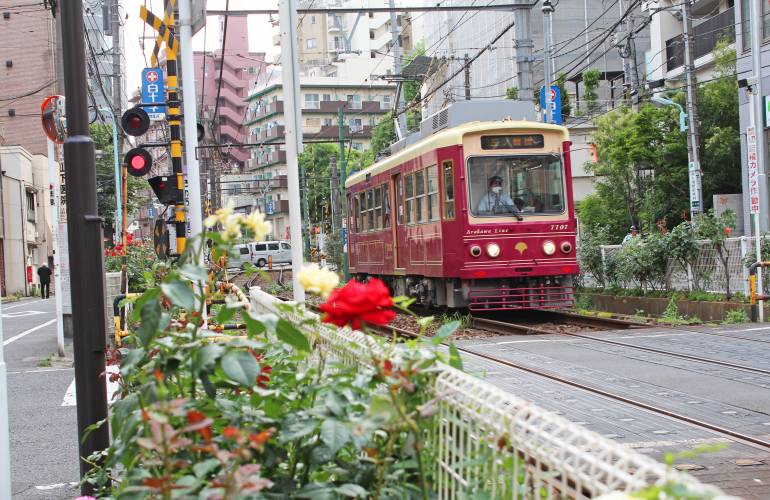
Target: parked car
258,253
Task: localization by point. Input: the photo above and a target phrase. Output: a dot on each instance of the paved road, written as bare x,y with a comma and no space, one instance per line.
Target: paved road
44,447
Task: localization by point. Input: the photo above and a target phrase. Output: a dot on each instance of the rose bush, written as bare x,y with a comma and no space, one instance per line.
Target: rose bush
256,415
140,260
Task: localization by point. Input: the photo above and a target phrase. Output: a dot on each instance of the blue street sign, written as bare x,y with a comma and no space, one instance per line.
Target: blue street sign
153,91
269,209
555,104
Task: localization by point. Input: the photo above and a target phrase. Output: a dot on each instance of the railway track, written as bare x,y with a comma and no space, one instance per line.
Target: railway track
724,431
505,327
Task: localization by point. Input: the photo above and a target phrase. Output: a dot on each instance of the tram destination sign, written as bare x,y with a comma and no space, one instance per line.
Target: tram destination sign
517,141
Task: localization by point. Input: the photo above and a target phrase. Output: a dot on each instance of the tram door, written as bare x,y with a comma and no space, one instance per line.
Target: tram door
399,228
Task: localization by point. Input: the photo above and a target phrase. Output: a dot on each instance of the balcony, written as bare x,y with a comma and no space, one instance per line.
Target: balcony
332,132
276,207
706,36
266,110
272,158
271,133
333,106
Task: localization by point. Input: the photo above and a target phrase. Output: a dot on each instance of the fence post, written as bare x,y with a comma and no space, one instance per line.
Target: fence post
743,267
604,264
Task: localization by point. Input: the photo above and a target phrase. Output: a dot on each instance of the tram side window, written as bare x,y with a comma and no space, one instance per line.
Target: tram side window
449,190
385,206
369,211
419,194
355,219
378,208
433,212
362,211
400,200
409,197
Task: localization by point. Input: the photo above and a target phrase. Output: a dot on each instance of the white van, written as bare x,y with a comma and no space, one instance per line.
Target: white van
258,253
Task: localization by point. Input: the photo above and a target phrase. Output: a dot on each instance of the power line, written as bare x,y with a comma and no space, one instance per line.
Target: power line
222,63
379,10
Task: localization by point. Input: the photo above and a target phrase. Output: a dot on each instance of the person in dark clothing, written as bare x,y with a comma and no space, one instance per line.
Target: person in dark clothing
44,272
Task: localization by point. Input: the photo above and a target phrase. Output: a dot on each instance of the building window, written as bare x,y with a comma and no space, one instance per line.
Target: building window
371,34
386,102
312,43
327,97
372,54
327,122
746,22
31,206
356,125
354,101
312,19
358,146
313,122
449,190
312,102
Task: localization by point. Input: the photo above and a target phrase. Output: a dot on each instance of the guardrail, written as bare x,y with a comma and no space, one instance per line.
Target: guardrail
487,439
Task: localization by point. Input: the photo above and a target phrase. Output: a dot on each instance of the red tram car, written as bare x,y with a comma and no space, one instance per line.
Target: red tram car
477,215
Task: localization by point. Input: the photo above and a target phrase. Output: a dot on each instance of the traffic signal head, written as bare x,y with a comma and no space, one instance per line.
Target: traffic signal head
166,190
135,121
138,161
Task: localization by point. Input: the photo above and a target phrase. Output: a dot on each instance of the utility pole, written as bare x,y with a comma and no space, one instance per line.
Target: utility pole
693,145
547,12
619,40
397,68
117,90
524,44
467,78
634,65
5,441
343,201
85,243
335,194
293,134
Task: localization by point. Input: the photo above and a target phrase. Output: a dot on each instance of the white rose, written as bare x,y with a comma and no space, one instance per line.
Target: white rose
318,280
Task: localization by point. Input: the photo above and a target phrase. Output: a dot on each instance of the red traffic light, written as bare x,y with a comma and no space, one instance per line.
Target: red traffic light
135,121
166,190
138,161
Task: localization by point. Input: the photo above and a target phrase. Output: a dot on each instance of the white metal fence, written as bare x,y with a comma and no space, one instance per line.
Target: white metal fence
486,439
708,270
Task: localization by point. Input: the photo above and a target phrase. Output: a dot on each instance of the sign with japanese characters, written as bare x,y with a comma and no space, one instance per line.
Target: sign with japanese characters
153,91
751,143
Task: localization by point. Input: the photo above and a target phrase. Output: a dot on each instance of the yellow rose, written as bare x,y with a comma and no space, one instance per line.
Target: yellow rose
255,221
231,227
221,215
318,280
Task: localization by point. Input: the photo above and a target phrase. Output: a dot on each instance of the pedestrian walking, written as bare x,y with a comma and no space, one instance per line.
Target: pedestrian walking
44,272
631,235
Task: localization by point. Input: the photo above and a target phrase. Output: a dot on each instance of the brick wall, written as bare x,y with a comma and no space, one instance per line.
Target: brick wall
27,41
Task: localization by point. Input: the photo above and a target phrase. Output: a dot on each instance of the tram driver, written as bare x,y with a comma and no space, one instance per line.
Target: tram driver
498,202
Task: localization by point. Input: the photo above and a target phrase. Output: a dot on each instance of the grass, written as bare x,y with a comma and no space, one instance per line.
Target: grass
466,320
672,317
46,362
736,316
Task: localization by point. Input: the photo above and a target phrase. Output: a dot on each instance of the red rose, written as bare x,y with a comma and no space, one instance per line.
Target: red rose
359,303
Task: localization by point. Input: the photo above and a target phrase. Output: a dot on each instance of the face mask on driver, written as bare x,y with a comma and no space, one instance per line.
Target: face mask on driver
497,189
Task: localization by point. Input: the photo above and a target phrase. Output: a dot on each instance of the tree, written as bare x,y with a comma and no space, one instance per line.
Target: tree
717,230
566,108
105,177
590,84
383,135
512,93
411,90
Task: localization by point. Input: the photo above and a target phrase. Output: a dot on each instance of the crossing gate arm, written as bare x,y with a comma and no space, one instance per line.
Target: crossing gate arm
754,296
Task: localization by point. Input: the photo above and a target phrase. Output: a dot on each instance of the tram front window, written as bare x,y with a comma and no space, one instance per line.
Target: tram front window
515,186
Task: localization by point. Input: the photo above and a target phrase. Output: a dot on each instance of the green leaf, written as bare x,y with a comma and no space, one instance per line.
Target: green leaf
334,404
289,334
226,314
241,367
202,469
193,273
206,357
211,391
298,429
255,327
151,294
351,490
334,434
455,361
445,331
381,406
179,294
133,358
150,320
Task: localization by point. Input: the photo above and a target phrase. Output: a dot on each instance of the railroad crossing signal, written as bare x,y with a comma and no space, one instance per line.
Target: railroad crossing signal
165,188
162,26
135,121
160,239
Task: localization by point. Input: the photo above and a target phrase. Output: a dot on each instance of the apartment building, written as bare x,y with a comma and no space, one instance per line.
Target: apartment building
237,67
322,98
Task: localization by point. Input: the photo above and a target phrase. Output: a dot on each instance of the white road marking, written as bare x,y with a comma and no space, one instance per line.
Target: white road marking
70,397
21,314
745,330
56,486
22,305
678,442
648,336
27,332
42,370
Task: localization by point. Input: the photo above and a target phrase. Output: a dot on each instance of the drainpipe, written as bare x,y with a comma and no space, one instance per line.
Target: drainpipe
23,202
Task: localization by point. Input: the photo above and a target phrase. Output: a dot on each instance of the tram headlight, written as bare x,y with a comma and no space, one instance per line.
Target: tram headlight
475,251
549,248
493,250
566,246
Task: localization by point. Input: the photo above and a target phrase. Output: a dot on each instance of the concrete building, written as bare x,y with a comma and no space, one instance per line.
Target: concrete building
28,74
238,66
97,20
583,34
744,70
25,238
364,106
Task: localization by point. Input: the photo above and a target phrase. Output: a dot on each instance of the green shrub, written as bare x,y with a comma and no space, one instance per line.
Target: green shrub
736,316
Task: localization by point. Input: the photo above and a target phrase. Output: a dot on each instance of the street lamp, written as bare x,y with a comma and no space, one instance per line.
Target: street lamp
668,102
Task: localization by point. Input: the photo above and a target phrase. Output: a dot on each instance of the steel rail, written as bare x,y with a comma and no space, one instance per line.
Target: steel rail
746,438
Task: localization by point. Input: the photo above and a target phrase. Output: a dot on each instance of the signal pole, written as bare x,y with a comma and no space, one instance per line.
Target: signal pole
343,201
524,45
693,145
175,145
117,91
85,243
397,67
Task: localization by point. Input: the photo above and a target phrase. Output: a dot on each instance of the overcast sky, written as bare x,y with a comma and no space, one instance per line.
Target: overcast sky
260,33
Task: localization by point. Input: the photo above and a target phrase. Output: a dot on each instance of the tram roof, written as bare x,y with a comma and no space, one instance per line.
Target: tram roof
448,137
